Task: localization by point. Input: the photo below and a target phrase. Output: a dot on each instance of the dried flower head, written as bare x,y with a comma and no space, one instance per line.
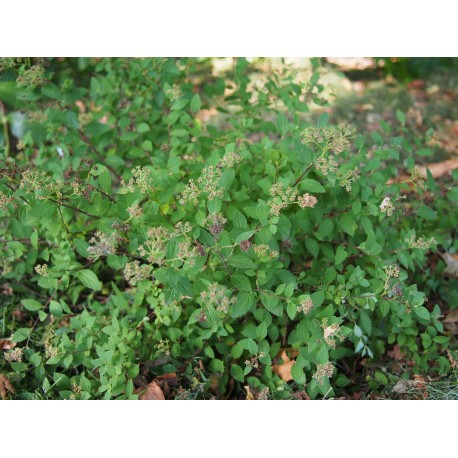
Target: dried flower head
135,211
348,178
245,245
283,195
33,76
141,181
229,160
323,371
50,350
396,290
305,306
263,250
334,138
215,223
253,362
306,200
417,178
209,182
14,356
102,245
186,250
326,165
286,193
134,272
387,206
33,180
155,245
190,194
392,271
217,297
42,269
181,229
331,332
286,243
420,242
163,346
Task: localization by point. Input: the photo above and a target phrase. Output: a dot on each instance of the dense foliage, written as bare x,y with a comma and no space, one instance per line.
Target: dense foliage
156,219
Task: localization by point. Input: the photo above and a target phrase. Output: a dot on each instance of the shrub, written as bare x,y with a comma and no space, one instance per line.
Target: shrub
141,237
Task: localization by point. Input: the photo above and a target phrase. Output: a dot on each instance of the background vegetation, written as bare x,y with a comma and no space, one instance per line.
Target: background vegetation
228,228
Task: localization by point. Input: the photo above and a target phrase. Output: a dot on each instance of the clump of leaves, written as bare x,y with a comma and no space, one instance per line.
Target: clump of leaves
139,231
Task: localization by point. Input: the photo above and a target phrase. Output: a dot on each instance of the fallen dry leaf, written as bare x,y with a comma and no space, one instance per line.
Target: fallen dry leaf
152,392
81,106
284,370
447,137
167,381
214,383
6,344
418,384
249,394
402,386
7,290
353,63
439,169
301,396
451,321
396,353
452,265
453,361
5,386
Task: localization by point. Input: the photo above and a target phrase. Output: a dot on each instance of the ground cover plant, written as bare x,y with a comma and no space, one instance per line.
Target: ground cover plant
172,232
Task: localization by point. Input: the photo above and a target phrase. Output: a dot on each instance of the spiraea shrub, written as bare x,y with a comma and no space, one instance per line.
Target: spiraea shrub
156,219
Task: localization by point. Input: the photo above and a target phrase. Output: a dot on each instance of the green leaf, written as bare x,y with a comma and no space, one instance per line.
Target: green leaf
237,351
289,290
341,255
21,334
326,228
237,373
142,127
180,103
422,313
51,91
317,298
245,302
56,309
147,146
312,246
282,124
298,374
425,152
272,304
310,185
105,181
401,117
241,282
31,304
357,331
34,239
243,236
378,139
195,103
323,119
427,213
291,309
89,279
241,261
366,322
348,224
261,330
